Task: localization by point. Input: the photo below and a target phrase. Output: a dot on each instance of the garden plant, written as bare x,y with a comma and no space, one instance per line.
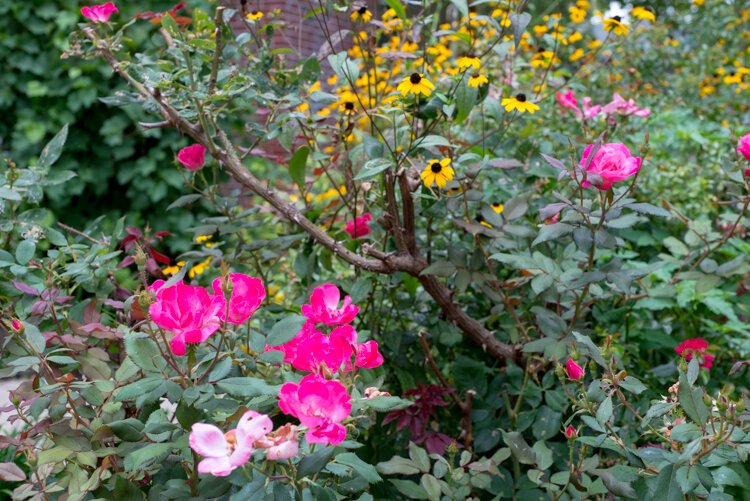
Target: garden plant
464,250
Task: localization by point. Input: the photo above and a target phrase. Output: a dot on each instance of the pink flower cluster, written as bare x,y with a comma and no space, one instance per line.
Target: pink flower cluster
612,162
99,13
192,315
321,404
224,452
695,348
618,106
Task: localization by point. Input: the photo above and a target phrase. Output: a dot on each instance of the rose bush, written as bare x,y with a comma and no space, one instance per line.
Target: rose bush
458,253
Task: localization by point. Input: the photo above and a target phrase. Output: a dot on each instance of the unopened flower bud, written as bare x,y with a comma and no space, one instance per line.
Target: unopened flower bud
452,448
570,432
17,326
145,299
140,256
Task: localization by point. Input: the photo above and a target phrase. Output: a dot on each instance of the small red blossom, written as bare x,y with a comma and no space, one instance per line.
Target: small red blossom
695,347
99,13
359,227
192,157
570,432
573,370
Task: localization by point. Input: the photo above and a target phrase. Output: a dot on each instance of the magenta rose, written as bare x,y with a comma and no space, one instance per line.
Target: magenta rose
320,405
324,306
744,147
612,162
188,312
359,227
248,294
192,157
99,13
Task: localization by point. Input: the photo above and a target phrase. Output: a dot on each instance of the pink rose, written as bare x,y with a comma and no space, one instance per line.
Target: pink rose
570,432
368,355
612,162
324,306
744,147
248,294
320,405
192,157
99,13
225,452
317,351
359,227
280,444
573,370
620,106
568,101
590,111
696,347
188,312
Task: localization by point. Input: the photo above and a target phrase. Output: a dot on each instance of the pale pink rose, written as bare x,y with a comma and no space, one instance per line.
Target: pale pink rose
570,432
744,147
188,312
612,162
99,13
280,444
568,101
373,392
573,370
320,405
225,452
620,106
192,157
248,294
359,227
368,355
324,306
590,111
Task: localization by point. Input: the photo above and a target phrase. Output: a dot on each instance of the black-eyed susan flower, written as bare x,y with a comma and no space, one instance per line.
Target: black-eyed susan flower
519,103
415,84
577,14
643,13
438,172
616,26
255,15
361,14
477,79
498,207
543,59
576,55
466,62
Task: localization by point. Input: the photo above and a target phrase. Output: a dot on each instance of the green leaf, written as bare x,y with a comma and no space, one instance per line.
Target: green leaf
130,430
419,457
691,400
297,165
138,458
466,98
52,151
383,404
676,247
518,23
632,385
432,141
431,485
667,488
144,352
9,194
25,251
614,485
315,462
34,337
518,447
247,387
366,470
10,472
185,200
398,465
409,489
285,329
170,25
593,350
373,167
440,269
552,232
462,6
604,412
648,209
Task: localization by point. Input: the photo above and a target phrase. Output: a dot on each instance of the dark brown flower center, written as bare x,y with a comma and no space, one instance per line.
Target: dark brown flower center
436,167
349,105
415,78
617,18
362,10
521,98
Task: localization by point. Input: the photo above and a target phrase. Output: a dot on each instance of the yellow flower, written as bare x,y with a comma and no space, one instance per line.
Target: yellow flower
698,2
171,270
361,14
643,13
615,25
415,84
199,268
477,79
576,55
543,59
466,62
498,207
575,37
519,103
254,15
577,14
437,172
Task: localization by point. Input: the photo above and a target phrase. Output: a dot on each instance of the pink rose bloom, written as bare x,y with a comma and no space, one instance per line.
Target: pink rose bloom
320,405
368,355
588,110
568,101
744,147
622,107
612,162
696,347
188,312
225,452
281,444
192,157
316,351
359,227
324,306
291,347
16,325
248,294
573,370
570,432
99,13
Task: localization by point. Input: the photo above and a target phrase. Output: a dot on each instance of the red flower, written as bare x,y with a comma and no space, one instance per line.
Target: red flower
359,227
573,370
192,157
570,432
695,347
99,13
